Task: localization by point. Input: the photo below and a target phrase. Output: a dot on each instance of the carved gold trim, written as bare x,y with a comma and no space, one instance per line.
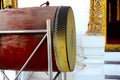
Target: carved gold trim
104,19
13,3
112,47
95,25
98,22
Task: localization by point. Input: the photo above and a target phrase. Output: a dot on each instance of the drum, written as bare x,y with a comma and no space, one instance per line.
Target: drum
15,48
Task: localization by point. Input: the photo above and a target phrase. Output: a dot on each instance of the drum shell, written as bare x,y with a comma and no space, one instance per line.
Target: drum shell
16,48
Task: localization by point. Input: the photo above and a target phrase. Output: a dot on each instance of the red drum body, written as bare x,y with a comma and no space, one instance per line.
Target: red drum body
16,48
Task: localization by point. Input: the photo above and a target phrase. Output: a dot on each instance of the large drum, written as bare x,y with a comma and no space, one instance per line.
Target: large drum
16,48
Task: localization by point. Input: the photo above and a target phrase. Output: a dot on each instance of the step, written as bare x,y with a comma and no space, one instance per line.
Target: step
93,51
96,73
111,69
112,62
112,76
92,41
112,56
94,61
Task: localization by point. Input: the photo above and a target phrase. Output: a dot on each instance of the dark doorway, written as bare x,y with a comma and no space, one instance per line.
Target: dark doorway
113,21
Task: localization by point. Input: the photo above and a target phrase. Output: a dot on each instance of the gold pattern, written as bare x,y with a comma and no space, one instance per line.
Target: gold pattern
104,25
98,21
95,25
112,47
12,3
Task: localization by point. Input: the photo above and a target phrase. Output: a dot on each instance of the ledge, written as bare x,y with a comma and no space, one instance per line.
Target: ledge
92,41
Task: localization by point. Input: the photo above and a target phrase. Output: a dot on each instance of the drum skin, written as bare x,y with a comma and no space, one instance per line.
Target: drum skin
16,48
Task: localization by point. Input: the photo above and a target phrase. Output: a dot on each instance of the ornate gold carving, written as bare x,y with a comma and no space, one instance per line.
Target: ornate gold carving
112,47
12,3
104,25
95,25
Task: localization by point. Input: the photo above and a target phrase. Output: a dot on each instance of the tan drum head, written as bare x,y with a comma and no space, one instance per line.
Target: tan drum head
64,39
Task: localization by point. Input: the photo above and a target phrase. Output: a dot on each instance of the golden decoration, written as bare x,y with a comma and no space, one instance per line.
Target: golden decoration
9,3
112,47
98,21
95,25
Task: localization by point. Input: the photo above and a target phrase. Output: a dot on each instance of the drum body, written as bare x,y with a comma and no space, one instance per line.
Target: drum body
16,48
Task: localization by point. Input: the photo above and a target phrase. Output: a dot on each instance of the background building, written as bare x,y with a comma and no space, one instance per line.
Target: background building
92,60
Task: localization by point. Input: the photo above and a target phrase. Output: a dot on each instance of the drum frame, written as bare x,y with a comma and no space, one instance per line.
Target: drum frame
47,32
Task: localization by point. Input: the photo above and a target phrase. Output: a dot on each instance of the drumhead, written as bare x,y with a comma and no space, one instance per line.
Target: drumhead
64,39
